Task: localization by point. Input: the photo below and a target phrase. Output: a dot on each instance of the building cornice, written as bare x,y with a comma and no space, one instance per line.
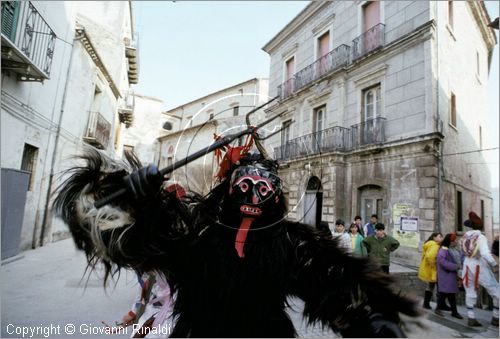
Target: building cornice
293,25
89,47
483,19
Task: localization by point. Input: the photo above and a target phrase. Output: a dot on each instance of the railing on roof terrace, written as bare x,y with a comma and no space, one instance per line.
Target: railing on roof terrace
327,140
368,41
326,64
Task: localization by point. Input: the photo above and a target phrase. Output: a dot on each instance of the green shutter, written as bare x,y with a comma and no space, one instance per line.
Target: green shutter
10,13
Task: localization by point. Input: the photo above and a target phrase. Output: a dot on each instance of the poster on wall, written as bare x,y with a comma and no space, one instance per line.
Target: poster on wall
401,210
407,239
409,224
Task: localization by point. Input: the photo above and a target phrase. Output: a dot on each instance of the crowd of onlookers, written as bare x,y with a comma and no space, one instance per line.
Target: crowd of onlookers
360,240
447,264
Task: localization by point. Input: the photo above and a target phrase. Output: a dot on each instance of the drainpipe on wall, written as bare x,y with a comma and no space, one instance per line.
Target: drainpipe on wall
56,143
437,227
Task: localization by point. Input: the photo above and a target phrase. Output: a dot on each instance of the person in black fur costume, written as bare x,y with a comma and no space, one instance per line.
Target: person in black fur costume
231,258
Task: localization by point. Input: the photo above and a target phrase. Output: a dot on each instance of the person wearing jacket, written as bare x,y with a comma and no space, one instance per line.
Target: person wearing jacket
447,269
427,270
380,246
356,241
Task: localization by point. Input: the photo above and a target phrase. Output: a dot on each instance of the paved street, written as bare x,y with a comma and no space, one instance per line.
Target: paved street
45,287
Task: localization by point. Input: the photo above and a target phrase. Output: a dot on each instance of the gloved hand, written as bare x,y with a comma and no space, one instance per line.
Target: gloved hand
143,182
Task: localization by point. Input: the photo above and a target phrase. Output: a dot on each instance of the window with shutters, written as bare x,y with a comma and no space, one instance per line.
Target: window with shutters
10,14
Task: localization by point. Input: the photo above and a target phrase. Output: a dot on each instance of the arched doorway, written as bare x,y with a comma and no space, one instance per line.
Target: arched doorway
313,202
370,202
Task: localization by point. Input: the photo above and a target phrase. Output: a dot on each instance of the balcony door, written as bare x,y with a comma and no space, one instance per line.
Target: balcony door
289,71
318,121
285,139
371,18
323,50
371,110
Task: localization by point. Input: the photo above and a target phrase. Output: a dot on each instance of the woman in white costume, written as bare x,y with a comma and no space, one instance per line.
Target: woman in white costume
478,269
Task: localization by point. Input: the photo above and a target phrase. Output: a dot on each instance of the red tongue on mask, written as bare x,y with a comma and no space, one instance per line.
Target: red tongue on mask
241,236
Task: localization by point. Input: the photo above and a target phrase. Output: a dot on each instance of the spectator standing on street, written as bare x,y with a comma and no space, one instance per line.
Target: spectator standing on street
380,246
478,269
343,238
359,225
447,269
369,228
427,270
356,241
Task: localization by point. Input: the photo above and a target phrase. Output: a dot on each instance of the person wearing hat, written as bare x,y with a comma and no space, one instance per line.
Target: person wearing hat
342,237
478,269
380,245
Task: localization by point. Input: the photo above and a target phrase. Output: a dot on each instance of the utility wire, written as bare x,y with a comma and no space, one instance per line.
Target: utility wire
478,150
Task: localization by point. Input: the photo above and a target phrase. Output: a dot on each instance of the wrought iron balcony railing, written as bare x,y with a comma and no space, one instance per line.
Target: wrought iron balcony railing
98,131
333,139
286,88
27,41
369,41
326,64
368,132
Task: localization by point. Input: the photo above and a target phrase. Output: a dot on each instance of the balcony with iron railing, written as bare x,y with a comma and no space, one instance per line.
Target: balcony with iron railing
27,41
340,139
323,66
369,41
332,139
98,131
369,132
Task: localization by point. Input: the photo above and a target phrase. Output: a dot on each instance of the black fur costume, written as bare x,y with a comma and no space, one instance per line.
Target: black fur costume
218,293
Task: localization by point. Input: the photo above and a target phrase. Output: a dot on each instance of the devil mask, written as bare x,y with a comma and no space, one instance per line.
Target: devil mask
255,193
255,189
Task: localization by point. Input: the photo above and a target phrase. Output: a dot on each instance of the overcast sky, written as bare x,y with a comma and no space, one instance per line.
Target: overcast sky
190,49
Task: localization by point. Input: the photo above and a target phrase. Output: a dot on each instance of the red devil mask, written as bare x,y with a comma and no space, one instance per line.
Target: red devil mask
255,190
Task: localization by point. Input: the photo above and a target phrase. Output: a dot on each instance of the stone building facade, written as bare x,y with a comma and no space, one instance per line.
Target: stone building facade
383,107
69,90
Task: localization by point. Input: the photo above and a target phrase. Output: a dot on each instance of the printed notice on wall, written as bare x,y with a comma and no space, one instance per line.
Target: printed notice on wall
409,224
